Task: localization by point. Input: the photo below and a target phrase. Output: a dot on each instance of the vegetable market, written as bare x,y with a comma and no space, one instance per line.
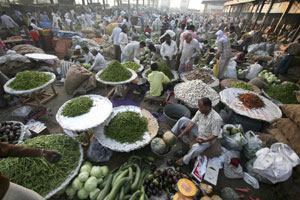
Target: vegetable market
115,72
132,65
77,106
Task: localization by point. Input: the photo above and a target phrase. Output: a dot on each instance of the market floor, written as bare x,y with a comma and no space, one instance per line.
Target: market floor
264,193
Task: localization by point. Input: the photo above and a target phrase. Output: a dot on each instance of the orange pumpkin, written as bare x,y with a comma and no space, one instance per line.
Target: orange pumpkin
186,187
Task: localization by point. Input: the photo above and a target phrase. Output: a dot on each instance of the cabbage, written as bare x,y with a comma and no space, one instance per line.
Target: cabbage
96,171
87,163
86,168
83,176
93,194
70,192
91,184
99,181
104,170
77,184
82,194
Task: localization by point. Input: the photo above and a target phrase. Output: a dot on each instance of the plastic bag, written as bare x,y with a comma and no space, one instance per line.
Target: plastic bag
276,164
251,180
230,171
216,68
249,167
98,153
231,70
233,140
252,146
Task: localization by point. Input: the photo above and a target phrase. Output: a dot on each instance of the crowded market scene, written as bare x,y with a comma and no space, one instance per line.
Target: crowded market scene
150,99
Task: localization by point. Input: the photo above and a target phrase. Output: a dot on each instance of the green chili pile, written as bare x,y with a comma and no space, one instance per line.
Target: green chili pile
241,85
163,68
284,93
37,173
115,72
132,65
77,106
127,127
28,80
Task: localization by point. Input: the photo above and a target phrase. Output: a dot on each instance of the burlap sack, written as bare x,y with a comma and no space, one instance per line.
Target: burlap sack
258,82
278,136
75,77
267,139
292,111
86,86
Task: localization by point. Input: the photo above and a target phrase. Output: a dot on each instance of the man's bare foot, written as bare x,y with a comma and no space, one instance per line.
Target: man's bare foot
180,162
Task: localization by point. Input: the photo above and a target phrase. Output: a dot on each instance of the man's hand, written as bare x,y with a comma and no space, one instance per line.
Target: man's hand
51,156
180,136
200,141
167,58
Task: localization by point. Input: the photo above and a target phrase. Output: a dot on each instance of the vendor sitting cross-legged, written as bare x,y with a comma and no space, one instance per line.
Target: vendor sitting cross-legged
200,132
157,80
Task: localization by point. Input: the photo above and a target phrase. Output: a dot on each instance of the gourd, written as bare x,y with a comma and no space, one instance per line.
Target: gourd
206,188
158,146
186,187
179,196
169,138
216,197
205,198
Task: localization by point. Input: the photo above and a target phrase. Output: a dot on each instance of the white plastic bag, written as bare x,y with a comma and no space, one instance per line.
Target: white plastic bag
251,180
234,141
276,164
253,71
231,70
230,171
252,146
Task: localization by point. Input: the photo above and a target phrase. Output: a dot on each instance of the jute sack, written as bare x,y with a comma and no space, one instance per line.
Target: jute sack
75,76
275,132
292,111
258,82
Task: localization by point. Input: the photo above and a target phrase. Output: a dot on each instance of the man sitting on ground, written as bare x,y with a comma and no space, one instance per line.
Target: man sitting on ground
156,80
200,132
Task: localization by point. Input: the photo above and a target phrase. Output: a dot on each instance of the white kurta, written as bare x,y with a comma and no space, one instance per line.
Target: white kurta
99,63
123,40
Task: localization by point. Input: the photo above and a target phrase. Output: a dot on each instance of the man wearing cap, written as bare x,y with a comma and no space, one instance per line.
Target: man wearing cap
77,54
168,51
123,38
132,50
99,61
115,37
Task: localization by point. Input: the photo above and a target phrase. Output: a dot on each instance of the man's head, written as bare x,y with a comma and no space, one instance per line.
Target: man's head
94,52
30,28
191,27
77,48
86,50
33,21
154,67
182,26
168,39
152,48
142,44
188,37
231,29
124,28
204,105
3,13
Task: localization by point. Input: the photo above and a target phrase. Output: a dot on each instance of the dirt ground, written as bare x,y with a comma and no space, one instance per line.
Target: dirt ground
266,192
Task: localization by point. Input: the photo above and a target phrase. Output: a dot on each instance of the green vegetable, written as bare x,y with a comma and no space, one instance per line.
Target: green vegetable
132,65
104,170
113,193
135,195
82,194
242,85
91,184
115,72
77,184
70,192
29,79
37,173
284,93
106,189
126,127
86,168
77,106
94,193
163,68
96,171
137,177
83,176
86,66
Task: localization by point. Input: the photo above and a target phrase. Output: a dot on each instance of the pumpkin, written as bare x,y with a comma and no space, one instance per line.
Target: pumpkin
205,198
216,197
228,193
186,187
169,138
207,189
158,146
179,196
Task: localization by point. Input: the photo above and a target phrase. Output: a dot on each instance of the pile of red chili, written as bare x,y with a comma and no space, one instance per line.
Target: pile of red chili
251,100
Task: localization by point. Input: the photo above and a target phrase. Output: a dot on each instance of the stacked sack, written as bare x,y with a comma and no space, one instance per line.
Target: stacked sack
287,130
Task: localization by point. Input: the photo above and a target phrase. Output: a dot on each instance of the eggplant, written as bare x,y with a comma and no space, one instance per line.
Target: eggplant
170,162
152,167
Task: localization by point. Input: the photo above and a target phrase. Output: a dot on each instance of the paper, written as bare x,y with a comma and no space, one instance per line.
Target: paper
212,172
200,168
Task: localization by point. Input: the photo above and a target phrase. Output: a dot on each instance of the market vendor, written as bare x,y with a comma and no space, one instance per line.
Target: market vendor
99,61
123,38
223,53
232,35
155,51
292,50
76,54
34,26
168,51
88,56
200,132
157,80
132,50
11,191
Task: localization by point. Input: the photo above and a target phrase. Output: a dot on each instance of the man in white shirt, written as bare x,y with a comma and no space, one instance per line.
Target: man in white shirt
205,127
88,56
99,62
8,22
88,19
123,38
189,50
115,37
34,26
168,51
132,50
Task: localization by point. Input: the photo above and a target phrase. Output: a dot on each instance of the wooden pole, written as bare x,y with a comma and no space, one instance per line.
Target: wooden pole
262,5
266,15
240,10
296,34
143,2
83,2
137,5
103,4
284,14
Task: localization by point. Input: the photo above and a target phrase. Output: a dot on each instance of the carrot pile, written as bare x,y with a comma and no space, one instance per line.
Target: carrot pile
251,100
